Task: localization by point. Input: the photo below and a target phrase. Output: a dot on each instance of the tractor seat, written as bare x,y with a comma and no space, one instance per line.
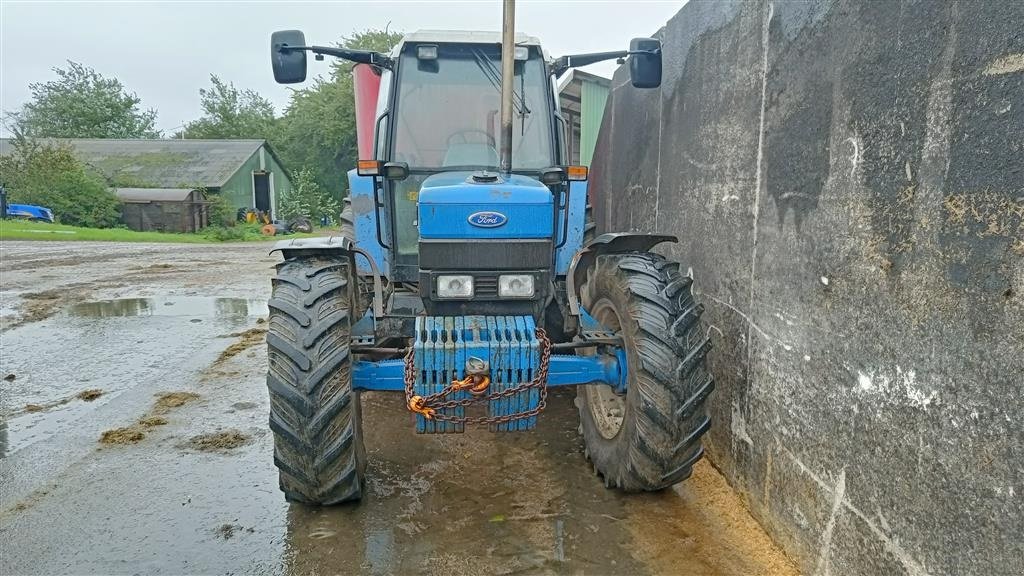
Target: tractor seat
470,154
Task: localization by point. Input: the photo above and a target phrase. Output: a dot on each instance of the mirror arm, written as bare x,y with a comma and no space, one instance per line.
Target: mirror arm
358,56
576,60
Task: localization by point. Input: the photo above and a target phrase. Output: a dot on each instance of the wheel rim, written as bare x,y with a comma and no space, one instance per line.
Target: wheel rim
607,408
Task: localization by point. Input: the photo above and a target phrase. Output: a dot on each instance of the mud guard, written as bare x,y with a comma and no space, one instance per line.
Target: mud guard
610,243
337,244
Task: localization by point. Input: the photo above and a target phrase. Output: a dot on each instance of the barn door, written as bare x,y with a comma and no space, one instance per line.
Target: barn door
261,191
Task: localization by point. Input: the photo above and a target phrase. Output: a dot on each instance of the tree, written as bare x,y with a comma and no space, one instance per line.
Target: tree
318,129
81,103
308,199
50,176
231,113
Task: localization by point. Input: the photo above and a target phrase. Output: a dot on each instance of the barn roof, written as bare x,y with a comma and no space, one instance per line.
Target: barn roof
169,163
153,194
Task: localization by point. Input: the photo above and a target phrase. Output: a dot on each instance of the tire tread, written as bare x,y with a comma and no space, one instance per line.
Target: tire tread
673,384
318,446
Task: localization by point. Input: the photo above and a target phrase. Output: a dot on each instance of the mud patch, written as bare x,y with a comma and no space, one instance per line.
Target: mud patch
154,268
32,498
247,339
226,531
137,432
126,435
39,306
218,441
85,395
168,400
151,421
43,296
89,395
223,373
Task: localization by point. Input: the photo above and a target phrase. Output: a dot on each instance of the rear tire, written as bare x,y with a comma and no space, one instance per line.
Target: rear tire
314,412
653,440
348,221
348,229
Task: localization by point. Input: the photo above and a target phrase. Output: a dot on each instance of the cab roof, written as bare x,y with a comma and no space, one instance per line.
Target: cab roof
461,37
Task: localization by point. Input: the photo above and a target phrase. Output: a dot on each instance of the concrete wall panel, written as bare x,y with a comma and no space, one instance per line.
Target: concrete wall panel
846,181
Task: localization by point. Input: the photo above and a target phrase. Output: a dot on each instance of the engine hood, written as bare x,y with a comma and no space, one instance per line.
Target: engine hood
454,205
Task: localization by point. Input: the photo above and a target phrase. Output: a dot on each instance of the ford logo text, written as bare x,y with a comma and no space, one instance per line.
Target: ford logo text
487,219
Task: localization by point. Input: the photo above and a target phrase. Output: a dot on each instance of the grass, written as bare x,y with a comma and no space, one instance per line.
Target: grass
24,230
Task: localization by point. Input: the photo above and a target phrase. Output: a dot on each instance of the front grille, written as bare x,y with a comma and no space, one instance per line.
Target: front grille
504,254
485,286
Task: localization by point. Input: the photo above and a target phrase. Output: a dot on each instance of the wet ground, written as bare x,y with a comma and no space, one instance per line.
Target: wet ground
157,350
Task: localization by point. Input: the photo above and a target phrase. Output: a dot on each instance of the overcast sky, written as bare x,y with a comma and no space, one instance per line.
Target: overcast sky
166,51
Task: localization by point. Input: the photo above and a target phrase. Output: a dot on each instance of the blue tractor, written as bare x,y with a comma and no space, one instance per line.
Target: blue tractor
467,277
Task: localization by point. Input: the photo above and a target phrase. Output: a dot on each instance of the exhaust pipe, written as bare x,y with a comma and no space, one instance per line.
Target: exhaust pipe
508,62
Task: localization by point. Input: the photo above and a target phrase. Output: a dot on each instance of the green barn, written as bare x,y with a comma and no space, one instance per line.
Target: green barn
582,97
246,173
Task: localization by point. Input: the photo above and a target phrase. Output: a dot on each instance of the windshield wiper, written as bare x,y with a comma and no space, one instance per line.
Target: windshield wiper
491,72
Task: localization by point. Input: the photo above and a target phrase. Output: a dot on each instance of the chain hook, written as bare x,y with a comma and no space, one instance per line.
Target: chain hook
417,405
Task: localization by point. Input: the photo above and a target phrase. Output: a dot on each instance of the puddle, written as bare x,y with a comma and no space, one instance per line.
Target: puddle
96,345
169,306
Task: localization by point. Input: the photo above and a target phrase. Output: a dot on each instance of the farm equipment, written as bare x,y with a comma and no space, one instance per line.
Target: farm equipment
23,211
468,276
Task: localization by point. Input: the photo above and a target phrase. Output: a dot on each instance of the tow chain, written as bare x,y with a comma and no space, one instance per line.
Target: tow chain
432,406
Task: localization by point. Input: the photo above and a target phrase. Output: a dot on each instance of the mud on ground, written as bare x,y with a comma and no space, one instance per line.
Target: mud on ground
246,339
220,441
135,433
187,483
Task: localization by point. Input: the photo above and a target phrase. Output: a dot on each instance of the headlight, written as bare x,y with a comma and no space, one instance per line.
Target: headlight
455,286
515,285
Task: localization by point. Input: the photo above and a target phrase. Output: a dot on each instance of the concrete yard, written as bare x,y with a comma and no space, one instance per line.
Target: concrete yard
136,441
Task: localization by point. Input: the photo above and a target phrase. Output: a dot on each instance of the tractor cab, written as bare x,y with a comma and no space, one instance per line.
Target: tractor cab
453,215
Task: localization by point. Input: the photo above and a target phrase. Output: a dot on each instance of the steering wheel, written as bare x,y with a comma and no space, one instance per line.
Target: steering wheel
463,134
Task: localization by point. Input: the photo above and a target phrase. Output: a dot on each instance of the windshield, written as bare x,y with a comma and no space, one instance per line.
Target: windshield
449,110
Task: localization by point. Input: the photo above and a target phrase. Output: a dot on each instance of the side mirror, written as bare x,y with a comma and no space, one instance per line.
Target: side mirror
289,65
395,171
386,170
645,62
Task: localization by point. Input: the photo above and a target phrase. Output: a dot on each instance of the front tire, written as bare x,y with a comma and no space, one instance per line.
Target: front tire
314,412
650,439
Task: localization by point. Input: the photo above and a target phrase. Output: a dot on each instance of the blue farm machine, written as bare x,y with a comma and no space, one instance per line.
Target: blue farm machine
468,277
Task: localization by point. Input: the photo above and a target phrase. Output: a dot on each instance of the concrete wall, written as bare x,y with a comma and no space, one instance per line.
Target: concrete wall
847,181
